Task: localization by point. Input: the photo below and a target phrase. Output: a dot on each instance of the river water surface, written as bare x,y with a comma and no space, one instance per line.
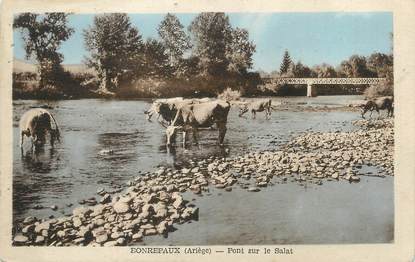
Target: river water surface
335,212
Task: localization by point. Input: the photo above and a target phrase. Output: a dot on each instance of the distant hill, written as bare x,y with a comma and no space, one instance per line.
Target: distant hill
20,66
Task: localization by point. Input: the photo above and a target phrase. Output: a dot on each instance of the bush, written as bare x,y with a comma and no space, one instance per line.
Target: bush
228,94
378,90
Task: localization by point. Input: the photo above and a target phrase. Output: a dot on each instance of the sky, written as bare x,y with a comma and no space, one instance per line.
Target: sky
311,38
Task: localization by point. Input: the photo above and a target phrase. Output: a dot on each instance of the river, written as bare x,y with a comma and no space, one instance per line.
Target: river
335,212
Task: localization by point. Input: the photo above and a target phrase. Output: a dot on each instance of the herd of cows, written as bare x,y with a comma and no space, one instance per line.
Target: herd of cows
177,114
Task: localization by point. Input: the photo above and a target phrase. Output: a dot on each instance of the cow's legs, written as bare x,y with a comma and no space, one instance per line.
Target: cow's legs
52,138
184,138
222,132
21,139
268,113
195,136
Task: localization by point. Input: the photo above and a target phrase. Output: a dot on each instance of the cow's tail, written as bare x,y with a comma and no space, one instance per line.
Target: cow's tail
57,131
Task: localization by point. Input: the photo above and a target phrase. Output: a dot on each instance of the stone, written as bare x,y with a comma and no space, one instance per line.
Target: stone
185,171
121,241
253,189
335,175
102,237
29,220
137,236
42,226
121,207
28,229
20,239
162,227
54,207
77,222
110,244
220,186
105,199
85,211
39,240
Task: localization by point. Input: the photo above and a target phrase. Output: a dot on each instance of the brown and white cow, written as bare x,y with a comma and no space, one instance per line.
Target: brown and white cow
193,116
36,123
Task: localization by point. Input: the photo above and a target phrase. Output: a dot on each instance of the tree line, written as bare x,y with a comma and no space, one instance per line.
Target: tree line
375,65
205,59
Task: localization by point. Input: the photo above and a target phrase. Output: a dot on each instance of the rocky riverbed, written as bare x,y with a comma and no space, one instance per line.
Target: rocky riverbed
152,203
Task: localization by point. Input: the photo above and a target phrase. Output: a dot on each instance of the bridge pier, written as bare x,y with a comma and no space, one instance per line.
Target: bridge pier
311,90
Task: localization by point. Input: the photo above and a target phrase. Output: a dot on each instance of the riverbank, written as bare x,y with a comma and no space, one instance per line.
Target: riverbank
153,202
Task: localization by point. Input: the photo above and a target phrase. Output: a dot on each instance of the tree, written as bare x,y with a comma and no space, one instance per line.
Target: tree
174,39
324,71
116,49
211,35
286,63
380,64
42,36
355,67
155,59
239,52
300,70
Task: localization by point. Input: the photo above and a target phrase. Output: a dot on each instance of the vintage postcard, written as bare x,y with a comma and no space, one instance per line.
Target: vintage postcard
190,130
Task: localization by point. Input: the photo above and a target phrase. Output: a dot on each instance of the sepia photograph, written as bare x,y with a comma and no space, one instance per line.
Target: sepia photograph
209,128
166,132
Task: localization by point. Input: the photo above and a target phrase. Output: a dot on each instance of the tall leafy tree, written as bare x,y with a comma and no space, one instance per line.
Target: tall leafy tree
356,66
115,48
240,51
42,36
211,35
155,59
380,64
324,71
300,70
175,40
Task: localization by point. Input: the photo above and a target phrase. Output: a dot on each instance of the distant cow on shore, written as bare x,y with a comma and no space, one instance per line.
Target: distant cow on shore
257,106
380,103
193,116
36,123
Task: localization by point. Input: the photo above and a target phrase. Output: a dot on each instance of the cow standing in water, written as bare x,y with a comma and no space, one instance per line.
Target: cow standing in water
36,123
257,106
167,108
381,103
193,116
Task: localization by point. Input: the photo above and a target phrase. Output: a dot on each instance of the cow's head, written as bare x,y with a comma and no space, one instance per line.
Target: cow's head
243,110
171,132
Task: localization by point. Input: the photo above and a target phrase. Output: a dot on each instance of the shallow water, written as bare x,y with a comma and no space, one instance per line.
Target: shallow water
105,143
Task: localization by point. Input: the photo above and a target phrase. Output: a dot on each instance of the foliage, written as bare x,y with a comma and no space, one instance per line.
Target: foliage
286,63
155,59
211,35
116,49
356,66
42,36
324,71
174,39
239,52
230,95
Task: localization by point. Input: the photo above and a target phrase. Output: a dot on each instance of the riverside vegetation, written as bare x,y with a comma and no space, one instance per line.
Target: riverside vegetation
153,202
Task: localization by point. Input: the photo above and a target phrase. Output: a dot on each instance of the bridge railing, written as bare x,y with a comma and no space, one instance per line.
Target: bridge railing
327,81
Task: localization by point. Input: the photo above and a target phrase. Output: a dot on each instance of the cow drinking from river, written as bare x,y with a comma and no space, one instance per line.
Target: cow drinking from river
380,103
193,116
167,108
36,123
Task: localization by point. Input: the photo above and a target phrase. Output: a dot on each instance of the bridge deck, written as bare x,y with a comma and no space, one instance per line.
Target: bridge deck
326,81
